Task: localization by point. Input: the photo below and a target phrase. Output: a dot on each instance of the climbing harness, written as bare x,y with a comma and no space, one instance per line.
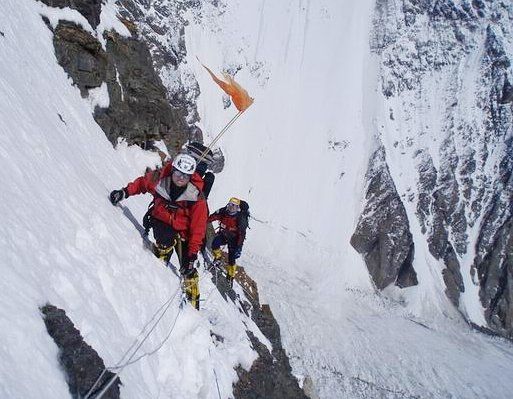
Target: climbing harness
190,289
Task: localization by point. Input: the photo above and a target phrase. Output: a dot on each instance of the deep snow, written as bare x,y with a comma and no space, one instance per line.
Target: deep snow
299,155
63,242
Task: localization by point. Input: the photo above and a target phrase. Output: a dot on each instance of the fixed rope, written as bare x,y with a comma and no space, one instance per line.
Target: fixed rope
214,369
164,308
136,345
154,350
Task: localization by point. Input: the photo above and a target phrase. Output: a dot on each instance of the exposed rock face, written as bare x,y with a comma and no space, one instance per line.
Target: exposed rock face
90,9
81,55
495,272
270,375
161,24
138,108
382,235
445,70
79,361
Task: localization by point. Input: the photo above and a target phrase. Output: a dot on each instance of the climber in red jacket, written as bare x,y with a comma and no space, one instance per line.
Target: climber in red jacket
178,214
233,222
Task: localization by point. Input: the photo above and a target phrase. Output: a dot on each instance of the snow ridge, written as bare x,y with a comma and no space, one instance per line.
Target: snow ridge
63,243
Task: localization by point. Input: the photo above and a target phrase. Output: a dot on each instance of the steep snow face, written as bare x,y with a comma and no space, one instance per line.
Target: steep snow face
62,242
300,155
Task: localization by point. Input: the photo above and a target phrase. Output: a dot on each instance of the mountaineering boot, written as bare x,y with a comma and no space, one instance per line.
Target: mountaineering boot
218,254
191,288
231,270
162,252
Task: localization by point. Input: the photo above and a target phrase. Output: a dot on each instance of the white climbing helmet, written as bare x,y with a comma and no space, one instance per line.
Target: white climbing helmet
184,163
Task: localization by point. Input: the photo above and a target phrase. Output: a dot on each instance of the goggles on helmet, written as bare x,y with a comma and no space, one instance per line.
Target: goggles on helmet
180,175
232,208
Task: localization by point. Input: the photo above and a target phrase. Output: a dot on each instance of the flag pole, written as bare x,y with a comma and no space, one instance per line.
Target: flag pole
216,139
239,97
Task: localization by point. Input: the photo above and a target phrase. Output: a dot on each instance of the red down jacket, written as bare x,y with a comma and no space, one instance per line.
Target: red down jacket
189,214
229,225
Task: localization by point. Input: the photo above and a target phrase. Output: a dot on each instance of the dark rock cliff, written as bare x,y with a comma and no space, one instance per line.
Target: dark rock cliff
90,9
445,74
270,376
80,362
161,24
382,235
139,109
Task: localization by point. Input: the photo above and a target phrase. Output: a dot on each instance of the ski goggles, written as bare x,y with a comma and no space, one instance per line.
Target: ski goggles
232,207
180,175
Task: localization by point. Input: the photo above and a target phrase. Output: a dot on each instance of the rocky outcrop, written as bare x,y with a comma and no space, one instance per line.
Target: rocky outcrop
161,24
270,376
495,272
382,235
494,246
81,55
80,362
138,108
446,75
90,9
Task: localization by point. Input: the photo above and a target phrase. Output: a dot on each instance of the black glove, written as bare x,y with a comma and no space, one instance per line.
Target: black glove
147,221
189,270
237,252
117,195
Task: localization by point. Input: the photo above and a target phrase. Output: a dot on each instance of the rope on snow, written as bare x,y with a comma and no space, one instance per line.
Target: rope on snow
165,306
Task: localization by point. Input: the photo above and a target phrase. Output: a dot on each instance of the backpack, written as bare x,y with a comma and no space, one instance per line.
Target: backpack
195,150
243,218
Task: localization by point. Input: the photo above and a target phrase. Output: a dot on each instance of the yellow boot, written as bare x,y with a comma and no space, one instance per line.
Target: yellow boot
191,286
162,252
231,270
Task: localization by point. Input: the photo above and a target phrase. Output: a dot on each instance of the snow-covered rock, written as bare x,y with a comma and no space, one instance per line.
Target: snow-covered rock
444,71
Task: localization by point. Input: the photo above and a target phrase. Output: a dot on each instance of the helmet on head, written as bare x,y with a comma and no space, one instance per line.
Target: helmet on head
233,206
234,201
184,163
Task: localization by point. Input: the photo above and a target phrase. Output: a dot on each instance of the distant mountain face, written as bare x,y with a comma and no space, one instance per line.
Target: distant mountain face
442,171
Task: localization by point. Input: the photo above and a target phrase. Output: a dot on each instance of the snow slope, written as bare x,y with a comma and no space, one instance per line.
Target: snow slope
291,142
299,155
63,242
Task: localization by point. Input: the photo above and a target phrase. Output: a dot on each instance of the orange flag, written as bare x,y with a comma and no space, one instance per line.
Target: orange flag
238,94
